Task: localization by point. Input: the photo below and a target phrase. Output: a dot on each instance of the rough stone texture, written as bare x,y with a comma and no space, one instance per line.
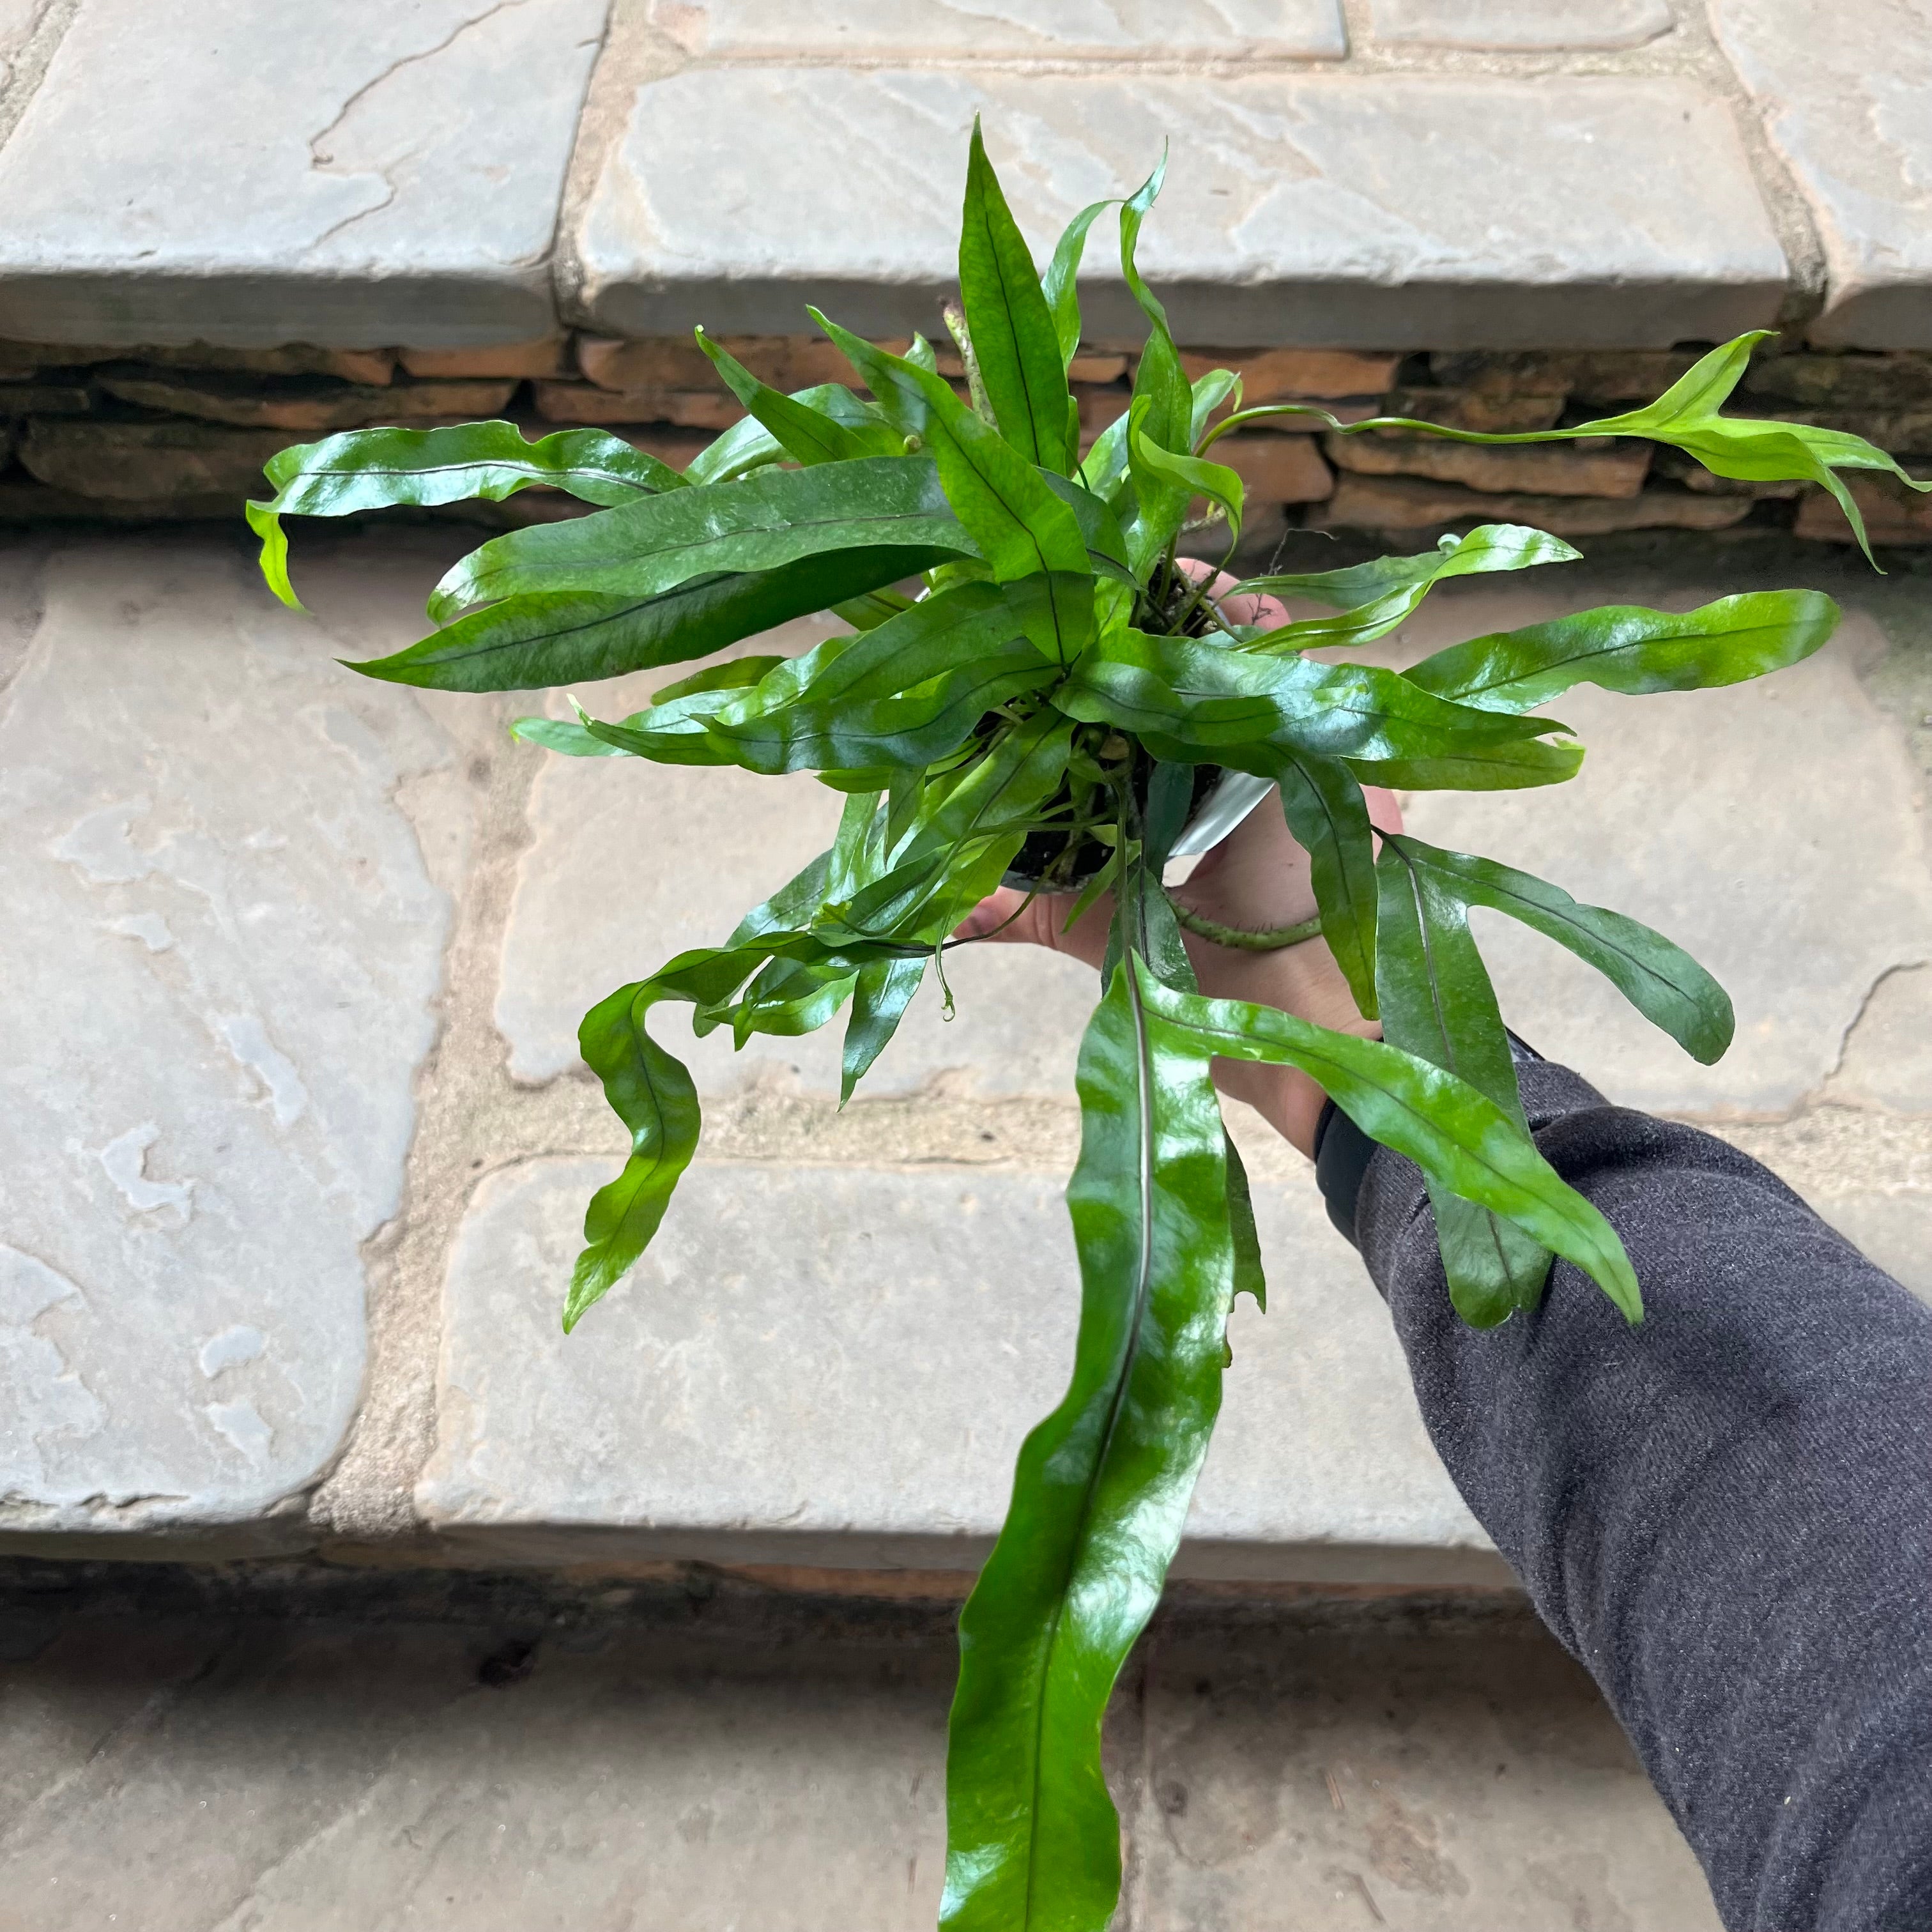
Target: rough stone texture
1626,376
837,1367
303,407
1771,828
1290,375
1615,471
662,1768
892,29
1513,25
146,462
222,948
1407,503
1887,1056
1276,469
1846,111
1277,1791
1893,514
1842,382
1340,211
586,402
547,355
1475,409
171,179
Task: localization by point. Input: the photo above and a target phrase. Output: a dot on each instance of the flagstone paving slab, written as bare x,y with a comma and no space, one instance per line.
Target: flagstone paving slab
861,30
222,949
1845,110
356,175
1370,210
837,1367
1515,26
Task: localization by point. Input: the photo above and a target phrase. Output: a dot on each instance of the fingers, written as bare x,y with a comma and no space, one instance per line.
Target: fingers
1269,613
1007,917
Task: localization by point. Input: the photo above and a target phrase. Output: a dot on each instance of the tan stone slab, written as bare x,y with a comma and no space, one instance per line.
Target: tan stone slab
836,1367
223,952
1376,212
1771,828
587,403
860,30
1845,110
1407,503
1475,409
150,461
1512,26
1614,469
300,406
1295,375
546,355
339,172
1277,469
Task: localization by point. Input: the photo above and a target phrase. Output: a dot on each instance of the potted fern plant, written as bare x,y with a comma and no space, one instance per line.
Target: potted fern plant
1026,685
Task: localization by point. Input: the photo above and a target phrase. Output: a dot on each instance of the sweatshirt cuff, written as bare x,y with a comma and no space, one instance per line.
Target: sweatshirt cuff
1372,1193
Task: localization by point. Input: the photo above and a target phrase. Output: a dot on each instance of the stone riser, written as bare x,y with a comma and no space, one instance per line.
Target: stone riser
158,433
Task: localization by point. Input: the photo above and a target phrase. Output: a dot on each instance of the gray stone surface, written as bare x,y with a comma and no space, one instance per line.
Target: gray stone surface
1845,110
863,29
222,948
1371,211
1289,1786
356,174
1771,829
702,848
1514,25
650,1775
837,1367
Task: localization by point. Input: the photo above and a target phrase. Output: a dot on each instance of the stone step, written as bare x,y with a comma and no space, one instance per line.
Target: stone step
494,1759
297,1139
459,175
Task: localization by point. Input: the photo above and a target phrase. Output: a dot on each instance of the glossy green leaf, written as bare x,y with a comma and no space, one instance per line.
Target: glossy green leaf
1192,474
1058,285
908,730
733,674
1011,323
885,989
762,522
1101,1490
1442,1123
1662,981
748,444
572,637
375,469
1625,648
1249,1277
1437,1002
1371,599
806,434
651,1094
1186,696
1018,523
1326,813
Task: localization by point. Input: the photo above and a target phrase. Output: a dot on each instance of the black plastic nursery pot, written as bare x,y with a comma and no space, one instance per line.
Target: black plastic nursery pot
1221,799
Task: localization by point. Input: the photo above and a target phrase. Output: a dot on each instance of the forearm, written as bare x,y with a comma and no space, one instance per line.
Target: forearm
1722,1513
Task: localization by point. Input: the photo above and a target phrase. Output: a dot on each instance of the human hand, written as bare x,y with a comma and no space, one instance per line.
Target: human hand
1255,879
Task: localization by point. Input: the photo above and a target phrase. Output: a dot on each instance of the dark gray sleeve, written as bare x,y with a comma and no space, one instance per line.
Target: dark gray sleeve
1724,1513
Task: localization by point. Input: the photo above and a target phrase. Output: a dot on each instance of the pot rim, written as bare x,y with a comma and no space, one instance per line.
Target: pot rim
1235,795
